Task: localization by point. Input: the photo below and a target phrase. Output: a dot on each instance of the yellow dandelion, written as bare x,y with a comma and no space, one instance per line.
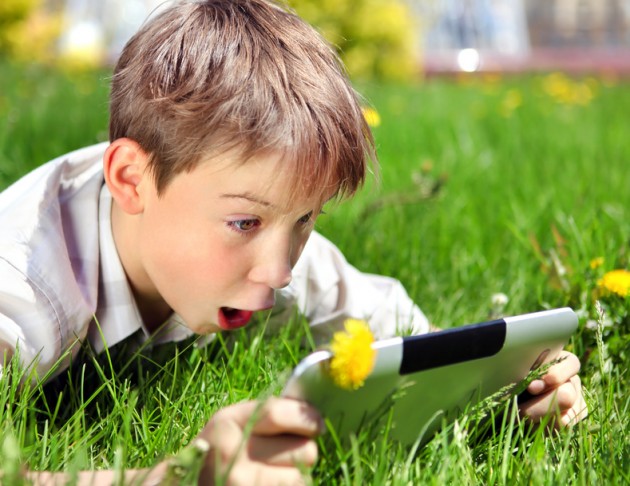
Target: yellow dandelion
596,263
371,116
567,91
511,101
353,356
616,282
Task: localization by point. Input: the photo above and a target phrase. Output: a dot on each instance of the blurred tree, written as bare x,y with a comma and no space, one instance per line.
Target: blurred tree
27,30
377,39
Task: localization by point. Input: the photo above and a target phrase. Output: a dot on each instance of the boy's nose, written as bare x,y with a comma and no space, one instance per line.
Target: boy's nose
281,279
273,269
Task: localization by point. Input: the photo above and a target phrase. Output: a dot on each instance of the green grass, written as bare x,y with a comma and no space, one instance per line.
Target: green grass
479,194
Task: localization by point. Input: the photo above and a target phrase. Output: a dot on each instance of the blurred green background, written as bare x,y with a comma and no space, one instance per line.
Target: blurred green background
377,38
395,40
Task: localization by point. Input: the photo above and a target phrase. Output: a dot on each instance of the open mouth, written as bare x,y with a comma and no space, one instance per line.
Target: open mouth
230,318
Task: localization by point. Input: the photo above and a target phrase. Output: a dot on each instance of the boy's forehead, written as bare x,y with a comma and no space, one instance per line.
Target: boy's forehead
268,178
237,162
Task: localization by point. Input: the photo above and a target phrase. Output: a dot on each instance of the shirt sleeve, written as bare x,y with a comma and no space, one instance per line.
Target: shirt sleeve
27,323
328,290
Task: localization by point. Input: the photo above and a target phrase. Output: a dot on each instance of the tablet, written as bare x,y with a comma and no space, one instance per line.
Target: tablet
425,381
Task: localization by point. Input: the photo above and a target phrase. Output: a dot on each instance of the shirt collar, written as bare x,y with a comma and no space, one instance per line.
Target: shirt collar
117,313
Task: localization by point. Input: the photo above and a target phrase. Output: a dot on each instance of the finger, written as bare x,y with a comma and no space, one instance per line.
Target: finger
540,406
262,476
566,395
557,374
234,454
233,460
284,417
224,433
283,450
254,474
563,371
239,413
275,416
556,402
288,416
578,411
536,387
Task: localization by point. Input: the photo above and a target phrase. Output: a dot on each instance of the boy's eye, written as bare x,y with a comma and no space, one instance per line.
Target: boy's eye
244,224
306,218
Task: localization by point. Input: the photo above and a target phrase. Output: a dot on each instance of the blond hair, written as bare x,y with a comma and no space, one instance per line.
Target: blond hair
205,77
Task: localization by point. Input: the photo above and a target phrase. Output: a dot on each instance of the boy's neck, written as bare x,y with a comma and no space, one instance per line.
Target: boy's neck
154,311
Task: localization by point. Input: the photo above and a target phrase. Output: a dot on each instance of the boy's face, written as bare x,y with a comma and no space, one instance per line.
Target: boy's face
219,240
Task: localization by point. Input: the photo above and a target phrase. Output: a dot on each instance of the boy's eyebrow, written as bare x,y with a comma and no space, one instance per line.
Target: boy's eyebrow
249,197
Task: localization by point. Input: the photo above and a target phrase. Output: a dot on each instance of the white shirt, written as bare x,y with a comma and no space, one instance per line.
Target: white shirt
61,280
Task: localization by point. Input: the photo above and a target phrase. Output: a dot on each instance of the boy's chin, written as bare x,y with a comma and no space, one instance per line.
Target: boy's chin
203,329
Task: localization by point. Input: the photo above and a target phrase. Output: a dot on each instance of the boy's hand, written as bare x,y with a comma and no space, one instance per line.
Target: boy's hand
277,449
558,393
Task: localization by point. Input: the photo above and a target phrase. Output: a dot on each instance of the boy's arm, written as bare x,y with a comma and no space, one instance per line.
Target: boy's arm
266,443
29,325
146,477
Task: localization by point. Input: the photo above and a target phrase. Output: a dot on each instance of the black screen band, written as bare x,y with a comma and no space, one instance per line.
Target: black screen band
452,346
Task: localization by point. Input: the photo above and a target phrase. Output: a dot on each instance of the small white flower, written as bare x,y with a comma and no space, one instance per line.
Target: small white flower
499,300
591,325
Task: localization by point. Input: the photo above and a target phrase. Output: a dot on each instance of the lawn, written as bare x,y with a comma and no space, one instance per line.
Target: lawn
487,185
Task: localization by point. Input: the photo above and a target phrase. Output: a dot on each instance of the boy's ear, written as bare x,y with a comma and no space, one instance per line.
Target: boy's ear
124,167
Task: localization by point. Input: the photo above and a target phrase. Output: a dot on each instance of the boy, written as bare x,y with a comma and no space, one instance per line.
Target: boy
231,125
